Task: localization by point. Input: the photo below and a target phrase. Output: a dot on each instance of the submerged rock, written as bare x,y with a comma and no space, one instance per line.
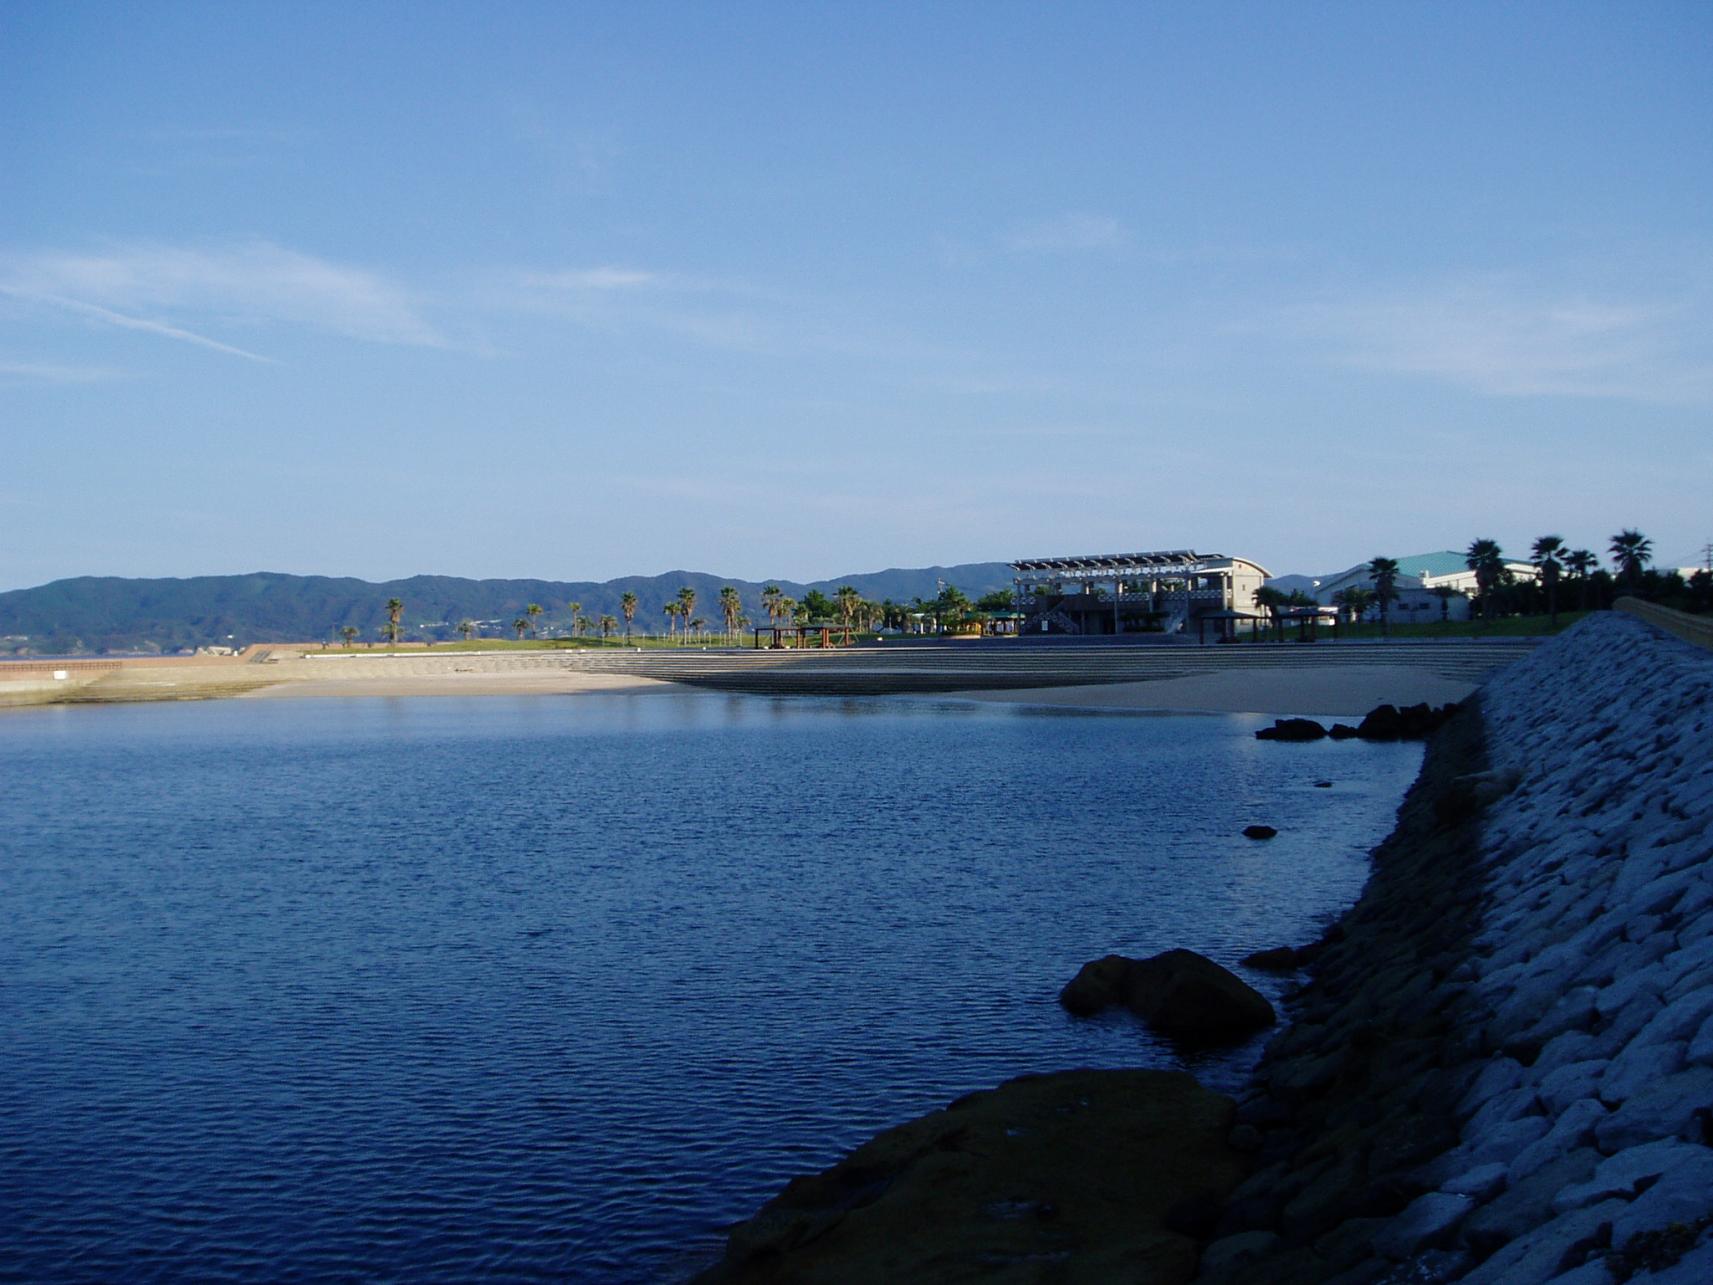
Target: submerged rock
1258,832
1179,992
1080,1176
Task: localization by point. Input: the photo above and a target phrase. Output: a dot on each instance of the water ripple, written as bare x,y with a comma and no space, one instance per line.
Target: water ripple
499,989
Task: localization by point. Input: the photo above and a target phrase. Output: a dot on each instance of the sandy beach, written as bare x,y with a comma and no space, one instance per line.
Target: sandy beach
298,674
1339,684
459,683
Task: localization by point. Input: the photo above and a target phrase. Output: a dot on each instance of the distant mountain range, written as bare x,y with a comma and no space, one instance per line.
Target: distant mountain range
104,613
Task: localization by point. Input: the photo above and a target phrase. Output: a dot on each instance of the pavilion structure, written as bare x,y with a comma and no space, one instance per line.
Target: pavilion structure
1165,591
799,636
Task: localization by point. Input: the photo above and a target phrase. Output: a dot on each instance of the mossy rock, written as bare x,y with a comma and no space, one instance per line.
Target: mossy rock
1076,1176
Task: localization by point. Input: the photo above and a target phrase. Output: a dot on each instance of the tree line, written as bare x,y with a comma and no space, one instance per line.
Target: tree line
1500,591
846,608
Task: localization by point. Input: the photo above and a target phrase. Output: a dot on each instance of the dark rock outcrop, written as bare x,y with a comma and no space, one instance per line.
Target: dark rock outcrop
1382,723
1280,959
1081,1176
1259,832
1179,993
1291,729
1412,723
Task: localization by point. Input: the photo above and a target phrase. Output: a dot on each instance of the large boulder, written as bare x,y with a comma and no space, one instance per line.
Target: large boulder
1098,985
1179,993
1382,723
1080,1176
1412,723
1291,729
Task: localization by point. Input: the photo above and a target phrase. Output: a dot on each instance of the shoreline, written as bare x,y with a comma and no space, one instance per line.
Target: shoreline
1499,1064
1344,692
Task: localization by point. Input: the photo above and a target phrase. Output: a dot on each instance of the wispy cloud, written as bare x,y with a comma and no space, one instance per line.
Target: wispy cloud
616,297
125,322
603,278
182,292
1508,339
55,373
1068,233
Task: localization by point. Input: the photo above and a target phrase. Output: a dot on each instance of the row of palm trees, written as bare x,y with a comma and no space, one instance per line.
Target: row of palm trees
1550,556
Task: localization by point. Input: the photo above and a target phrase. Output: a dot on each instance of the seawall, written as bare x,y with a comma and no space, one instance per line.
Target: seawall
1501,1068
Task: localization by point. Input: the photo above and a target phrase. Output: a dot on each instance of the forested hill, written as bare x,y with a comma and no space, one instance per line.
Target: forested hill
95,614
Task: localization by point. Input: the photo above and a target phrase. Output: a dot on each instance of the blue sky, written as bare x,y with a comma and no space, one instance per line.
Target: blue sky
793,290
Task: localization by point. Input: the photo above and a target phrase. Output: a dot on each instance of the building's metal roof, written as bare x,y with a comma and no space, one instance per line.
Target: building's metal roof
1444,563
1158,561
1119,561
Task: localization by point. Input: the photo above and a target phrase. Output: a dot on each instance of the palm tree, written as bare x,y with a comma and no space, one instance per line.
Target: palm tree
1584,564
771,597
1384,573
627,604
520,624
1487,561
952,605
466,628
687,603
533,611
1545,555
731,607
1631,551
849,600
1355,600
395,609
670,611
349,634
575,608
608,625
1271,601
1445,593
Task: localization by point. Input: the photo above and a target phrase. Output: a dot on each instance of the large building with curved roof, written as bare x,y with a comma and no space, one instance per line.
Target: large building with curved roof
1166,590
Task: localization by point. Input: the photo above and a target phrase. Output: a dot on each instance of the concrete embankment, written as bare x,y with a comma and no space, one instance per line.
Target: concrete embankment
1502,1067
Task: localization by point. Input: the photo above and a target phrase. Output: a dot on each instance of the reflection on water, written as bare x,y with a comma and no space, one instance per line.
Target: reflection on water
556,987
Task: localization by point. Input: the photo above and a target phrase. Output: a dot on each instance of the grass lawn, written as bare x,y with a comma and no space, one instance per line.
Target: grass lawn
1504,627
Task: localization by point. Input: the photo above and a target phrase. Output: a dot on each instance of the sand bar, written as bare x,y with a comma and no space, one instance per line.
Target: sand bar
1341,690
561,682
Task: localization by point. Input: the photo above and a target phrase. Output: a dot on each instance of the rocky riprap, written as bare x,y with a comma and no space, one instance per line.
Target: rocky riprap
1502,1068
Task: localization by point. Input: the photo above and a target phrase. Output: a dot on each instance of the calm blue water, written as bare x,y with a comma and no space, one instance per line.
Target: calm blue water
522,988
